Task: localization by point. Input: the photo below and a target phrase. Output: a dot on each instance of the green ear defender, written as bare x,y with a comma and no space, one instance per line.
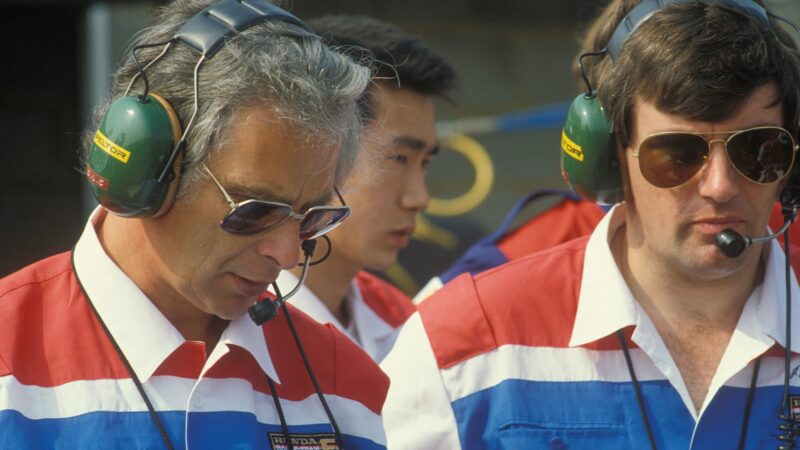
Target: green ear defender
129,152
135,158
589,162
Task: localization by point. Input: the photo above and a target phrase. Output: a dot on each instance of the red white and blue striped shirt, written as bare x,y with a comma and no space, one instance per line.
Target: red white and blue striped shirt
526,356
63,385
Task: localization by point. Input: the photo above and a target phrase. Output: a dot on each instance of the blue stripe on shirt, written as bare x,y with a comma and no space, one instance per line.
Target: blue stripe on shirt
604,415
135,430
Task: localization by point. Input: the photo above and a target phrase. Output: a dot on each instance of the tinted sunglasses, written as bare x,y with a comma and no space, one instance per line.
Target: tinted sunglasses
255,216
763,155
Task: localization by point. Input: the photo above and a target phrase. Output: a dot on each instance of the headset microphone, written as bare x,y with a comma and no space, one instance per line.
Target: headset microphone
732,244
265,310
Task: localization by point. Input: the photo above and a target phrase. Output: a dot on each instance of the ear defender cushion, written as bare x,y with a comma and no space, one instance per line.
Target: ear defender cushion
130,149
589,162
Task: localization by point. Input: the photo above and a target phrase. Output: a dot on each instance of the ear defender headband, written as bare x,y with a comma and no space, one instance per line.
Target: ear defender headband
134,161
589,162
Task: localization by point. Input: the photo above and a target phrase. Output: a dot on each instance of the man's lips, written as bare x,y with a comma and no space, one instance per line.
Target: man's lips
248,287
402,236
409,230
716,224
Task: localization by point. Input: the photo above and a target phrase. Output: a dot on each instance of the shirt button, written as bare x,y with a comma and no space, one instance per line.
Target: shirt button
198,403
557,444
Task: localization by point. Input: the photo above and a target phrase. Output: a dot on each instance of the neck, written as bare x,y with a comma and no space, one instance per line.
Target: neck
330,282
695,318
130,248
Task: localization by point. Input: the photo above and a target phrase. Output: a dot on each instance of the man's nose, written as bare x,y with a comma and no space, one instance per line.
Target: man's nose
719,180
281,243
415,195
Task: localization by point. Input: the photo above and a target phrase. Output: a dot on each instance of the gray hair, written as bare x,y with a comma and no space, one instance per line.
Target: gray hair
273,64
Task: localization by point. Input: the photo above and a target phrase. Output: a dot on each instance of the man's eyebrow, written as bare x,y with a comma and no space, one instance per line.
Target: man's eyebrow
323,200
249,193
414,144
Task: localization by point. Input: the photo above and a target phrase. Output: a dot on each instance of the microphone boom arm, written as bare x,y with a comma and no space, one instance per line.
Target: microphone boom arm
732,244
267,309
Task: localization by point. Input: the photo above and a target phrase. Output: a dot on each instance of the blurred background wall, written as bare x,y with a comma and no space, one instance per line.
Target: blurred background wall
513,58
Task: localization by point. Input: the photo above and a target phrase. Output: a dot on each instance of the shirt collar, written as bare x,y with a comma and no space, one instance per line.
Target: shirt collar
243,333
606,304
307,301
144,335
370,326
770,301
364,323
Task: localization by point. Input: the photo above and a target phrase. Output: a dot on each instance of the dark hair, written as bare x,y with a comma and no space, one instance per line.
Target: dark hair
398,56
696,60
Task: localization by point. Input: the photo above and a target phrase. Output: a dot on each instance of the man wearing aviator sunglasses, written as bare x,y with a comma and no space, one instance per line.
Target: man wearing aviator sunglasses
140,337
763,155
643,335
258,216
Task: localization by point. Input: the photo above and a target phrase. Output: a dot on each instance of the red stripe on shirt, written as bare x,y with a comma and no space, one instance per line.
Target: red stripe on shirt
388,302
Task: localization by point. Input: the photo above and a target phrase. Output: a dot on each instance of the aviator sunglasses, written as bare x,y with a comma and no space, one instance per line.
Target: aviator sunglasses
254,216
763,155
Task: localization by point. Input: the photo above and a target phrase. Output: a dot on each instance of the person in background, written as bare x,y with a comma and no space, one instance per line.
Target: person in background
644,334
387,188
231,127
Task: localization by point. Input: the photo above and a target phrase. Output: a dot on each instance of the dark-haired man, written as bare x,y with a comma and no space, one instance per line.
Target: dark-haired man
387,187
643,335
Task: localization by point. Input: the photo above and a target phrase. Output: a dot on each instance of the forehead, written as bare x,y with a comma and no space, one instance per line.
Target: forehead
402,112
759,108
263,153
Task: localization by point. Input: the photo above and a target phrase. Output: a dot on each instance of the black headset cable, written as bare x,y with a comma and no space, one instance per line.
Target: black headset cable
640,398
338,434
153,415
637,389
140,70
278,407
788,428
324,257
749,404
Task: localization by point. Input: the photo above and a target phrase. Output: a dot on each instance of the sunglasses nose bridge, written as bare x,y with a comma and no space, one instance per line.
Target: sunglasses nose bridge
296,216
724,143
718,172
711,142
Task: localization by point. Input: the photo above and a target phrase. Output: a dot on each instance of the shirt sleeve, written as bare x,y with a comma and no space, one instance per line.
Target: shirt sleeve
417,413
